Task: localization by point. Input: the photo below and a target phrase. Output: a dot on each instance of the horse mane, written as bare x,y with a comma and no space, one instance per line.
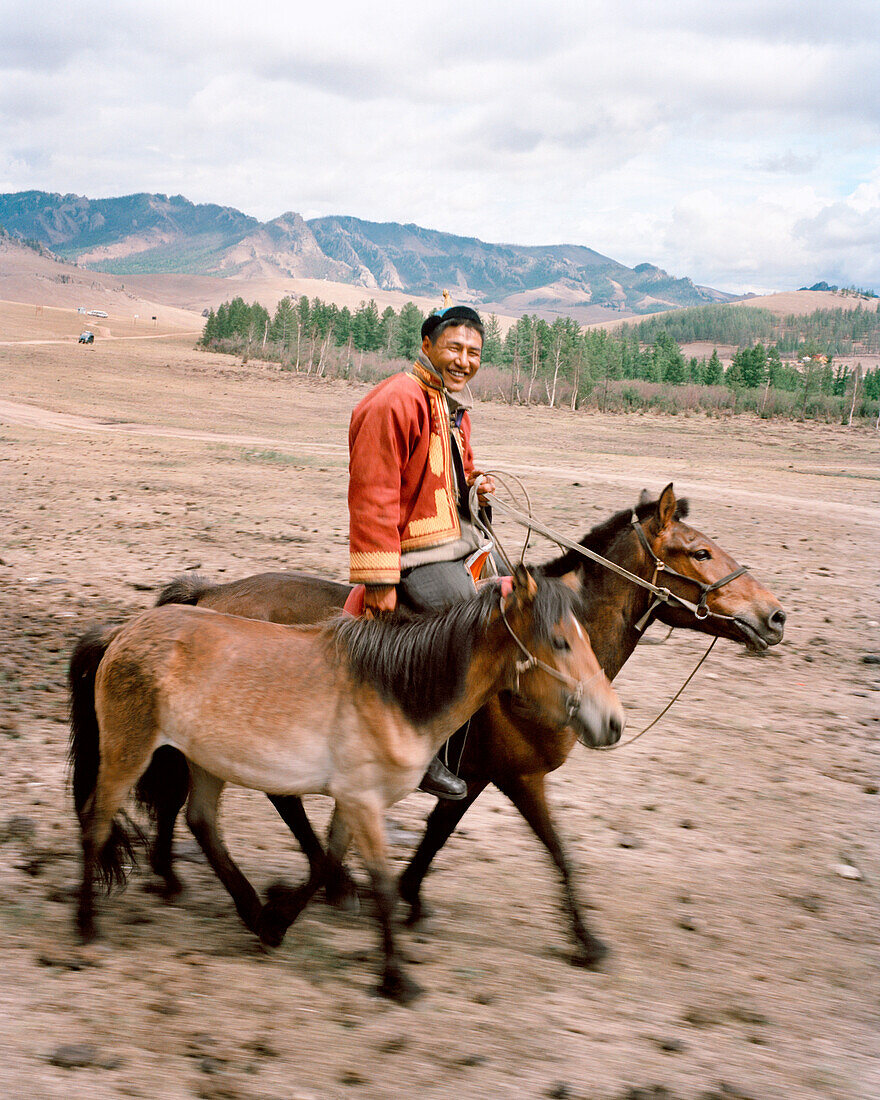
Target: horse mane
421,661
599,538
188,589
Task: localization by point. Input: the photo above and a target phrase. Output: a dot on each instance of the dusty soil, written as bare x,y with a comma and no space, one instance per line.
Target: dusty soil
731,856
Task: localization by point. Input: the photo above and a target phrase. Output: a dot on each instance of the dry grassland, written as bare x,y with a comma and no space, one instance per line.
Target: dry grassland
745,956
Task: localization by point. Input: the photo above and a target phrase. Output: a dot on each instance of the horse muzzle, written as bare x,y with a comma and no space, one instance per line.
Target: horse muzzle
762,630
598,726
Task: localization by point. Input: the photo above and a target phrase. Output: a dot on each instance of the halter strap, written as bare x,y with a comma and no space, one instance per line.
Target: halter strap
574,700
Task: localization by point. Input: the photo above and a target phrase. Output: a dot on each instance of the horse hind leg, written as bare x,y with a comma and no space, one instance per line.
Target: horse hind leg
162,791
106,843
201,816
284,903
339,886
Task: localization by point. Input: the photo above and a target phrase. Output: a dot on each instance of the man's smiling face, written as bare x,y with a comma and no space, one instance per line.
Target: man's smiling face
455,355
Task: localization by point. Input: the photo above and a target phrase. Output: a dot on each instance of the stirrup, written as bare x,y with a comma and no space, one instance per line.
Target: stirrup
441,782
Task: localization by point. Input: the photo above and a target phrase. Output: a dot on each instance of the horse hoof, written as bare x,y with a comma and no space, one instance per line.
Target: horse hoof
279,895
343,895
398,987
85,929
169,889
589,954
272,927
420,912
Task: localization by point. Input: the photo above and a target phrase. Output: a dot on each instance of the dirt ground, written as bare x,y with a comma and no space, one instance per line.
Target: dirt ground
731,856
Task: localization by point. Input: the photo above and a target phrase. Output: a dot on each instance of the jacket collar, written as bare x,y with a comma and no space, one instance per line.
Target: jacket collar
426,373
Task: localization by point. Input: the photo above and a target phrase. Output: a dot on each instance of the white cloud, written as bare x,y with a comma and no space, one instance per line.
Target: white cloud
729,142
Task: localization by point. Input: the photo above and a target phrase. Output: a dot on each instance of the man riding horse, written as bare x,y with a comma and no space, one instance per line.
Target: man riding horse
410,469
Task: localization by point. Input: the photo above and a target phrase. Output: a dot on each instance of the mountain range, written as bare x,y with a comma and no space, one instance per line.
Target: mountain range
153,233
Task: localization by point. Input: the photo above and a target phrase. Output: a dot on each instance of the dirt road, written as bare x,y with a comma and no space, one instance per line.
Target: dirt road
732,855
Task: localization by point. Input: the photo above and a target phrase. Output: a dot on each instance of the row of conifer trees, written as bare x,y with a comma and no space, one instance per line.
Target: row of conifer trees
555,361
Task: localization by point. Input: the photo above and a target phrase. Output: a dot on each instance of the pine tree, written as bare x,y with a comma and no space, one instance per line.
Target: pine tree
211,330
754,366
342,327
239,317
283,324
669,363
713,374
733,374
409,331
492,349
366,327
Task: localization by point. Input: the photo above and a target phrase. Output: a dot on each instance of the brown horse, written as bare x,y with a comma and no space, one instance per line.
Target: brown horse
354,709
505,745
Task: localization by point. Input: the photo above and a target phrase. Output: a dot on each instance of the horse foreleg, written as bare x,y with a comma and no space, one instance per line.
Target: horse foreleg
441,824
201,816
528,794
338,884
367,826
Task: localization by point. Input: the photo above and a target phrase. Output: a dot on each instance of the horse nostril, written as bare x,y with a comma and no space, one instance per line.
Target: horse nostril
777,619
615,728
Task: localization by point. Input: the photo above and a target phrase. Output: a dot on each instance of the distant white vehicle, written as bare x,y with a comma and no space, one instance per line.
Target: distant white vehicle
80,309
97,313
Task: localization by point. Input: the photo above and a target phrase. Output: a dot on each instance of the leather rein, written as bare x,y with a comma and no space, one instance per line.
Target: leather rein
660,593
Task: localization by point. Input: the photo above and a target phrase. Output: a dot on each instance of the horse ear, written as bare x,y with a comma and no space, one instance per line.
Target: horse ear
644,497
572,580
524,585
666,506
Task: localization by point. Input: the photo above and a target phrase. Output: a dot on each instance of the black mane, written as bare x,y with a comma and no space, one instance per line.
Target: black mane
599,538
421,661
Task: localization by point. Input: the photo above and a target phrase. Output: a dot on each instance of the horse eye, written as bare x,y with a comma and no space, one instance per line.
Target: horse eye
560,643
701,555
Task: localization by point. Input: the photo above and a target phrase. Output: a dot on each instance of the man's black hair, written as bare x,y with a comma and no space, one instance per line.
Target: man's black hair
452,317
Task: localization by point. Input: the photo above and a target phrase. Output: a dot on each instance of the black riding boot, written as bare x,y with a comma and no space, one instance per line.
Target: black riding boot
440,781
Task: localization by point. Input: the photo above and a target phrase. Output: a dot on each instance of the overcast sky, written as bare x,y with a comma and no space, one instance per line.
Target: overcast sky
735,141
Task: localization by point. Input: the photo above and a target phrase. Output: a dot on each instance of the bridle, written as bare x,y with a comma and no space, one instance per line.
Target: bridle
575,698
700,609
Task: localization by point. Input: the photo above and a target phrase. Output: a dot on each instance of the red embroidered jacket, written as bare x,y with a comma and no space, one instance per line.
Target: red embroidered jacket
402,492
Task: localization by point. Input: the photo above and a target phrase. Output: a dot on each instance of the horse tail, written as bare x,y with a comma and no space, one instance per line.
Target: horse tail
187,589
84,751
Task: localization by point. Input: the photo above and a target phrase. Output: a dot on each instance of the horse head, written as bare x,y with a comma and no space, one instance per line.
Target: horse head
553,666
725,598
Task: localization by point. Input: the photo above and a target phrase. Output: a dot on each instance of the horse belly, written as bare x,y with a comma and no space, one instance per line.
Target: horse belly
278,757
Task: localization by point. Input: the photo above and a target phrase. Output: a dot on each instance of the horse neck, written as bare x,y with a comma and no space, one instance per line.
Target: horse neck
612,605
